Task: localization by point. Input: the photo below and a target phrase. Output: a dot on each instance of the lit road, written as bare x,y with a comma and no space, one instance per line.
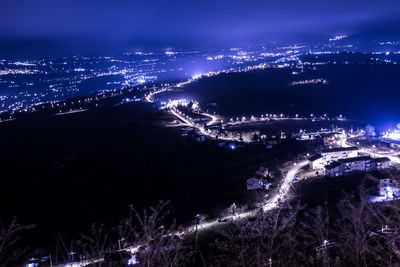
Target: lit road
70,112
285,186
268,205
150,97
373,152
214,119
202,130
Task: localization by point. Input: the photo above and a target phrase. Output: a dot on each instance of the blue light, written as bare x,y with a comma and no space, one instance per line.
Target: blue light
132,260
232,146
389,192
267,185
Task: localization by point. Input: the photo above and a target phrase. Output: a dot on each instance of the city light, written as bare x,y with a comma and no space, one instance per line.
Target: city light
232,146
389,192
132,260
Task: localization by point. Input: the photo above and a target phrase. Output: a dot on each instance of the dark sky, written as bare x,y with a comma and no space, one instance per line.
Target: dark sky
188,21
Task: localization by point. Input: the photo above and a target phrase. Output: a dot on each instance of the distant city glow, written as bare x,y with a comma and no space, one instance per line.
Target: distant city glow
337,38
394,135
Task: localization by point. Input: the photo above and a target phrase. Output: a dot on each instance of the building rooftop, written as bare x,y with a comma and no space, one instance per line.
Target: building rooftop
348,160
333,165
381,159
331,134
339,149
393,141
315,157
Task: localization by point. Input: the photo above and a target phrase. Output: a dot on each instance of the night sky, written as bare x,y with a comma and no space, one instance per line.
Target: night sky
182,22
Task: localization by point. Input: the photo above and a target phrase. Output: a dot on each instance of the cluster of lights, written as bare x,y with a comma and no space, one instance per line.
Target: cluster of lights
389,43
181,102
337,38
143,68
18,72
215,57
394,135
311,81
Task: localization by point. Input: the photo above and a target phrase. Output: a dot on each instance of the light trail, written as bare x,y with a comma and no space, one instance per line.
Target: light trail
285,186
201,129
214,119
70,112
150,97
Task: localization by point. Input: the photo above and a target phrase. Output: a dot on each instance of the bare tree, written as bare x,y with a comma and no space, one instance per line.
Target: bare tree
160,242
10,247
265,240
96,244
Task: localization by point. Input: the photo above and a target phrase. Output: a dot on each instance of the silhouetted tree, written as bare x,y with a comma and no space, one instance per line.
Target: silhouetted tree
11,250
159,242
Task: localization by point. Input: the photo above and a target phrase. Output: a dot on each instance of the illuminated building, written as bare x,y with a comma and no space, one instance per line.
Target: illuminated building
254,183
257,183
339,153
316,161
389,188
331,139
348,166
392,138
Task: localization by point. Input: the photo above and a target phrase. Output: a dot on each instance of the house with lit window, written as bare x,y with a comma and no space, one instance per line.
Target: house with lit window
381,163
357,164
330,154
255,183
316,161
333,169
348,166
389,188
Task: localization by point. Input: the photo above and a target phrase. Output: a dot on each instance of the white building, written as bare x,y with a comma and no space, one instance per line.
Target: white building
333,169
336,153
357,164
316,162
389,188
255,183
381,163
348,166
392,142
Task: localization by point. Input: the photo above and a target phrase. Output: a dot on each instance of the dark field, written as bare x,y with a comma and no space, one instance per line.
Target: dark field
65,172
367,92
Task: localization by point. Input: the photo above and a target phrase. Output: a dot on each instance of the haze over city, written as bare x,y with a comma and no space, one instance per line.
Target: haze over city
111,25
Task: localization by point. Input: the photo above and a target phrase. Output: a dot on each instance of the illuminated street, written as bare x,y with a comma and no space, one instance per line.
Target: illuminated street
271,203
199,133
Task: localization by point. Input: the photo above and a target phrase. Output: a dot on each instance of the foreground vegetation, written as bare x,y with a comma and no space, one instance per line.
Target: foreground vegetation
352,232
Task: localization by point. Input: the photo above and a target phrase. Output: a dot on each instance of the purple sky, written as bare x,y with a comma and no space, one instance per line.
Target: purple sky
189,20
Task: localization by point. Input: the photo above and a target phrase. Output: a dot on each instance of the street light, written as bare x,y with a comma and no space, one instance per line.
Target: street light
71,255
